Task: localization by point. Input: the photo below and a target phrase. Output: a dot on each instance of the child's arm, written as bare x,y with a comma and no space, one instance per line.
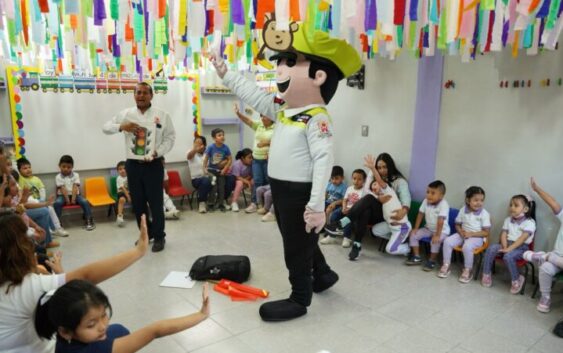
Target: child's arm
99,271
439,227
47,203
547,198
75,191
516,243
417,222
369,162
227,165
483,233
344,206
42,194
459,229
140,338
503,239
205,161
243,117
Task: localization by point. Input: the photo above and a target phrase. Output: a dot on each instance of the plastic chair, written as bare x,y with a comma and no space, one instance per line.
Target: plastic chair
477,252
96,192
113,187
451,221
522,263
175,187
557,278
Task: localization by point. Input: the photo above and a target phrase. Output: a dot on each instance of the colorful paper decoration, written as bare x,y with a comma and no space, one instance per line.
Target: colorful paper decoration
96,36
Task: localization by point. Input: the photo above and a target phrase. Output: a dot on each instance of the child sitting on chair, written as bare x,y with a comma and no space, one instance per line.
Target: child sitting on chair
68,191
435,211
38,196
217,161
122,192
265,203
242,171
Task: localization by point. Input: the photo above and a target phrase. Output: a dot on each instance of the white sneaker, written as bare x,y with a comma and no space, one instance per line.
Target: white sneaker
269,217
346,242
328,240
261,210
202,207
251,209
226,205
120,222
169,215
60,232
176,214
234,207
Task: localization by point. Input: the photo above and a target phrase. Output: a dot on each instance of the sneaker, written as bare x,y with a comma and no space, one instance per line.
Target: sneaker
355,252
486,280
517,285
429,265
544,306
413,261
269,217
444,271
158,245
226,205
346,242
333,228
176,214
90,224
52,244
234,207
120,222
328,240
538,257
251,209
202,207
261,210
60,232
466,276
222,208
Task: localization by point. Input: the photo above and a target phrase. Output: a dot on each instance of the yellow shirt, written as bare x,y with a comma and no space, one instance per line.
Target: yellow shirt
262,133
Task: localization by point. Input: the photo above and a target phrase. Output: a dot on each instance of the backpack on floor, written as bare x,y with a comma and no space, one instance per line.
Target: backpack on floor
215,267
558,329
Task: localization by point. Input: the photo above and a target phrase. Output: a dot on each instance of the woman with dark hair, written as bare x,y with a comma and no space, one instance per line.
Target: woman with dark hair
21,287
369,210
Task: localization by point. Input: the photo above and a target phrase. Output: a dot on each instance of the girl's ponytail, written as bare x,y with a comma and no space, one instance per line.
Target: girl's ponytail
243,153
43,326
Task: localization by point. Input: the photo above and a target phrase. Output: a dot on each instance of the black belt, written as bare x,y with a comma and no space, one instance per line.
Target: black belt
142,161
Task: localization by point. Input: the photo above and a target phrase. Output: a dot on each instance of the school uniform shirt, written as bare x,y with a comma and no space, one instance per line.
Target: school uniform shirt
17,314
400,186
241,170
216,154
352,196
335,192
121,182
35,186
301,146
433,212
67,182
165,134
558,249
516,226
196,165
262,133
473,221
113,332
392,205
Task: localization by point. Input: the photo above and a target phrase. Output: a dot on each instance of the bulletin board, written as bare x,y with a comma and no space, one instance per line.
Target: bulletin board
51,118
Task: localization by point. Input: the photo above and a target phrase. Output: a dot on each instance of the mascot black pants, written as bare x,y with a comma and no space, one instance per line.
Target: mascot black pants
303,257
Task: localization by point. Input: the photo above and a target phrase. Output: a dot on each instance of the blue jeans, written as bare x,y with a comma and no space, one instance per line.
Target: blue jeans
336,215
259,175
508,258
203,187
81,201
41,217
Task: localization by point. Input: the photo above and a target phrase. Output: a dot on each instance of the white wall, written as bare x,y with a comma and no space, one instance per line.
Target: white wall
497,138
386,105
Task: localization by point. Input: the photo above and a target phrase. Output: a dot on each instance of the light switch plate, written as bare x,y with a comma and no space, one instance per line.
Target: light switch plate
365,130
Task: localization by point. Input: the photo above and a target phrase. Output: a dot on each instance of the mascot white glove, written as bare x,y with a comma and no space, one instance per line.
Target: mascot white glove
219,64
314,220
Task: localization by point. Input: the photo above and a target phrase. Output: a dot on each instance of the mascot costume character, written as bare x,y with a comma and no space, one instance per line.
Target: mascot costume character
301,156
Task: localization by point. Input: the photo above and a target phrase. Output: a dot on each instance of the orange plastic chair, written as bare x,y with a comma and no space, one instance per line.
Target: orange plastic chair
96,192
480,251
175,187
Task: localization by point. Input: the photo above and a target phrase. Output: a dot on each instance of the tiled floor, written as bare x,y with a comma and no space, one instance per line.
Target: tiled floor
379,304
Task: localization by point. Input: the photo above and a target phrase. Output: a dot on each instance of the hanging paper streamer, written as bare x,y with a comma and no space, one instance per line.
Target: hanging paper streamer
101,36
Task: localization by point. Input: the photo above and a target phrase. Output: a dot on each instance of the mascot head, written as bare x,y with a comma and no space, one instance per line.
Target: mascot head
309,69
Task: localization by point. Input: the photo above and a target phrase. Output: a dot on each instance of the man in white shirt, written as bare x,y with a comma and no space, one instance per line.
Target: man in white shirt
146,176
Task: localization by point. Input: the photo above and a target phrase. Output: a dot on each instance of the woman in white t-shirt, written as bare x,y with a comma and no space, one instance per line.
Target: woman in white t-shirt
21,287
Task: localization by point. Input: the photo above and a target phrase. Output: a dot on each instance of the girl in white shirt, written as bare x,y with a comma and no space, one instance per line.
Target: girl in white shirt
472,224
21,286
516,236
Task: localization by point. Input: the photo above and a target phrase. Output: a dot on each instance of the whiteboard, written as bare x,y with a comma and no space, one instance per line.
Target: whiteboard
71,123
